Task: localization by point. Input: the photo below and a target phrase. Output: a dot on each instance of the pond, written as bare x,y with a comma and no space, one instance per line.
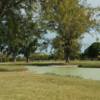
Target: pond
86,73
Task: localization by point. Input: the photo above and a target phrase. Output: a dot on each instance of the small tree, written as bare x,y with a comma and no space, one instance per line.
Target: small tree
30,34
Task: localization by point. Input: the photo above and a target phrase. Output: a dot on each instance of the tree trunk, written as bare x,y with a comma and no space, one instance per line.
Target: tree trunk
67,57
14,58
27,56
67,52
27,59
14,54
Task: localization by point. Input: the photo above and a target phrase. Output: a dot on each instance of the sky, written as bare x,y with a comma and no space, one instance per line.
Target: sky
94,3
90,38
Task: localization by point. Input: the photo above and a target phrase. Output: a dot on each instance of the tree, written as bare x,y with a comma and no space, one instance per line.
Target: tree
6,5
30,33
57,46
17,28
70,19
10,32
58,51
93,51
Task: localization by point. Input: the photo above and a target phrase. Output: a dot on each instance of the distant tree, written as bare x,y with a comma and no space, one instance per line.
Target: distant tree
30,33
39,56
93,51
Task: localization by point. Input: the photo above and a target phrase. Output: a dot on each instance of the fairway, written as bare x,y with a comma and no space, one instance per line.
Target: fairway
28,86
85,73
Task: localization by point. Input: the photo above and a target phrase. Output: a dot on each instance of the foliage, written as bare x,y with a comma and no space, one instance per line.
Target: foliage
7,5
93,51
70,19
18,31
40,56
30,34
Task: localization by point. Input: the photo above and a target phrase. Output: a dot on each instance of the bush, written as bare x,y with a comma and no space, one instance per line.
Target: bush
39,57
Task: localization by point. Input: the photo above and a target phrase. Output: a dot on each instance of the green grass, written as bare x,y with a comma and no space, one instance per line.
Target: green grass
87,64
16,83
38,63
27,86
10,68
83,64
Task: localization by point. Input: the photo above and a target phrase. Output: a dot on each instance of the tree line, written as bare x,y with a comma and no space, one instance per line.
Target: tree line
23,24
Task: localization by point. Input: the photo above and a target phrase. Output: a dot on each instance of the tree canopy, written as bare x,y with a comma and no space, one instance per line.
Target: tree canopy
21,29
70,19
93,51
18,29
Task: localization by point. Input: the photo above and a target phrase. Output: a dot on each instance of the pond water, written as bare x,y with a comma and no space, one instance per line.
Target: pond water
86,73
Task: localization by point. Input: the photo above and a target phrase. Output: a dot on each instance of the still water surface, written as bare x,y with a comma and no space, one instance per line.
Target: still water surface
86,73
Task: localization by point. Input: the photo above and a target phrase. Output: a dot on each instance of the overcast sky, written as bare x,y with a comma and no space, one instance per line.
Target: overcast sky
94,3
90,38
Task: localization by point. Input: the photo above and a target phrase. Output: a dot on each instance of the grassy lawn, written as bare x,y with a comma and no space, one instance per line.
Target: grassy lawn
87,64
16,83
83,64
27,86
12,68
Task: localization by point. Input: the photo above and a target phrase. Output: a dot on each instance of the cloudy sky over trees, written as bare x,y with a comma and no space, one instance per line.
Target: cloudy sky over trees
90,38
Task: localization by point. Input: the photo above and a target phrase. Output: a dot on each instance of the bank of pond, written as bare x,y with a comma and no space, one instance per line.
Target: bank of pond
87,69
86,73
